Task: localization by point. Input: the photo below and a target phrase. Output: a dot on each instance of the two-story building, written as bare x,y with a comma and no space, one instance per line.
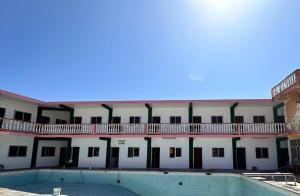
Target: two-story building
174,134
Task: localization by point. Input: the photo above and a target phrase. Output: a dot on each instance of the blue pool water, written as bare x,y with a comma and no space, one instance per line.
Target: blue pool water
89,182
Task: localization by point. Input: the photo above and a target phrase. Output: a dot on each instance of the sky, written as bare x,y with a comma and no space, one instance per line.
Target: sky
58,50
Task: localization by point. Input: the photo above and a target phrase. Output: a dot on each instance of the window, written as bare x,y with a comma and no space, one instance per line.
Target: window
2,112
156,119
197,119
23,116
48,151
262,153
45,120
60,121
77,120
259,119
133,152
93,152
17,151
217,152
134,119
239,119
116,119
295,150
175,119
96,119
175,152
217,119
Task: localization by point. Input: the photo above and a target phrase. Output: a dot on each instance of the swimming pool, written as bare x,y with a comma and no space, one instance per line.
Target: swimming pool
129,183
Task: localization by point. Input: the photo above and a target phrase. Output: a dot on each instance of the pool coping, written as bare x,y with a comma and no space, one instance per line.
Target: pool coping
167,172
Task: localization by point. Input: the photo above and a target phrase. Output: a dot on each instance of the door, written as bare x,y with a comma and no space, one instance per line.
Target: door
2,113
62,156
198,158
114,161
75,156
241,158
155,157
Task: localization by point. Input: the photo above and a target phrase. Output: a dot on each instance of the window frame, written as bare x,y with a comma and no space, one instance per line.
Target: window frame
96,119
175,152
133,152
93,151
176,120
218,119
260,119
218,152
24,116
134,119
262,153
196,119
18,151
48,151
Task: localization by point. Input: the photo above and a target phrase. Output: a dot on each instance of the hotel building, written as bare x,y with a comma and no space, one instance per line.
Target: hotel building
262,134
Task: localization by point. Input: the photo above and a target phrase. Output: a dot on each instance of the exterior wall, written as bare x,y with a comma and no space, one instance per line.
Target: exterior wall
15,162
49,161
84,144
251,160
248,111
208,110
87,111
125,111
11,105
167,110
210,162
53,115
131,162
165,144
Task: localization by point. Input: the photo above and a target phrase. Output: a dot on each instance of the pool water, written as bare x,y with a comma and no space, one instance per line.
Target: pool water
90,182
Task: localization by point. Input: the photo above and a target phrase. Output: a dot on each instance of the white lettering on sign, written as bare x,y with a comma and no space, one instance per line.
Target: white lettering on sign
284,85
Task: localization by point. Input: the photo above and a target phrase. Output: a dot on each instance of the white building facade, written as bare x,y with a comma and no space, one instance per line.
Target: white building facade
175,134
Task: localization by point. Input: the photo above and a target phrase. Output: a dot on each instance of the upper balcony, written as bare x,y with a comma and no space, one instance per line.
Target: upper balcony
229,129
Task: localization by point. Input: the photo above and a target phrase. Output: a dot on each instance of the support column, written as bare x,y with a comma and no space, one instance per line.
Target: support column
280,159
148,139
108,150
234,140
232,111
148,106
110,112
191,150
34,152
191,112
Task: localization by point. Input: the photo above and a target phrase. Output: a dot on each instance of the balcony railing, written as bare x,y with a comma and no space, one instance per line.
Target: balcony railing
144,129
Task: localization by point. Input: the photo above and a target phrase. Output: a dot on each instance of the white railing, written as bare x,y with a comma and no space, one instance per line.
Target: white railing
144,129
120,129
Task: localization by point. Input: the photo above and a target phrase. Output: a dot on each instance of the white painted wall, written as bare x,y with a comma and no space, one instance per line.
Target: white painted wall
125,111
15,162
165,144
131,162
210,162
84,144
53,115
49,161
262,164
87,111
167,110
11,105
207,110
250,110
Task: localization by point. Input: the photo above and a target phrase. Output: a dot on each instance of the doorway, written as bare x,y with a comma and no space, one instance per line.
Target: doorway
240,158
62,156
155,157
75,156
197,158
114,161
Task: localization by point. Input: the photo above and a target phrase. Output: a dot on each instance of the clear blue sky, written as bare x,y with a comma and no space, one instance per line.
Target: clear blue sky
150,49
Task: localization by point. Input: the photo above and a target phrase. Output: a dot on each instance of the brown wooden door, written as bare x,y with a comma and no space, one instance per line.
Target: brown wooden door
198,158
